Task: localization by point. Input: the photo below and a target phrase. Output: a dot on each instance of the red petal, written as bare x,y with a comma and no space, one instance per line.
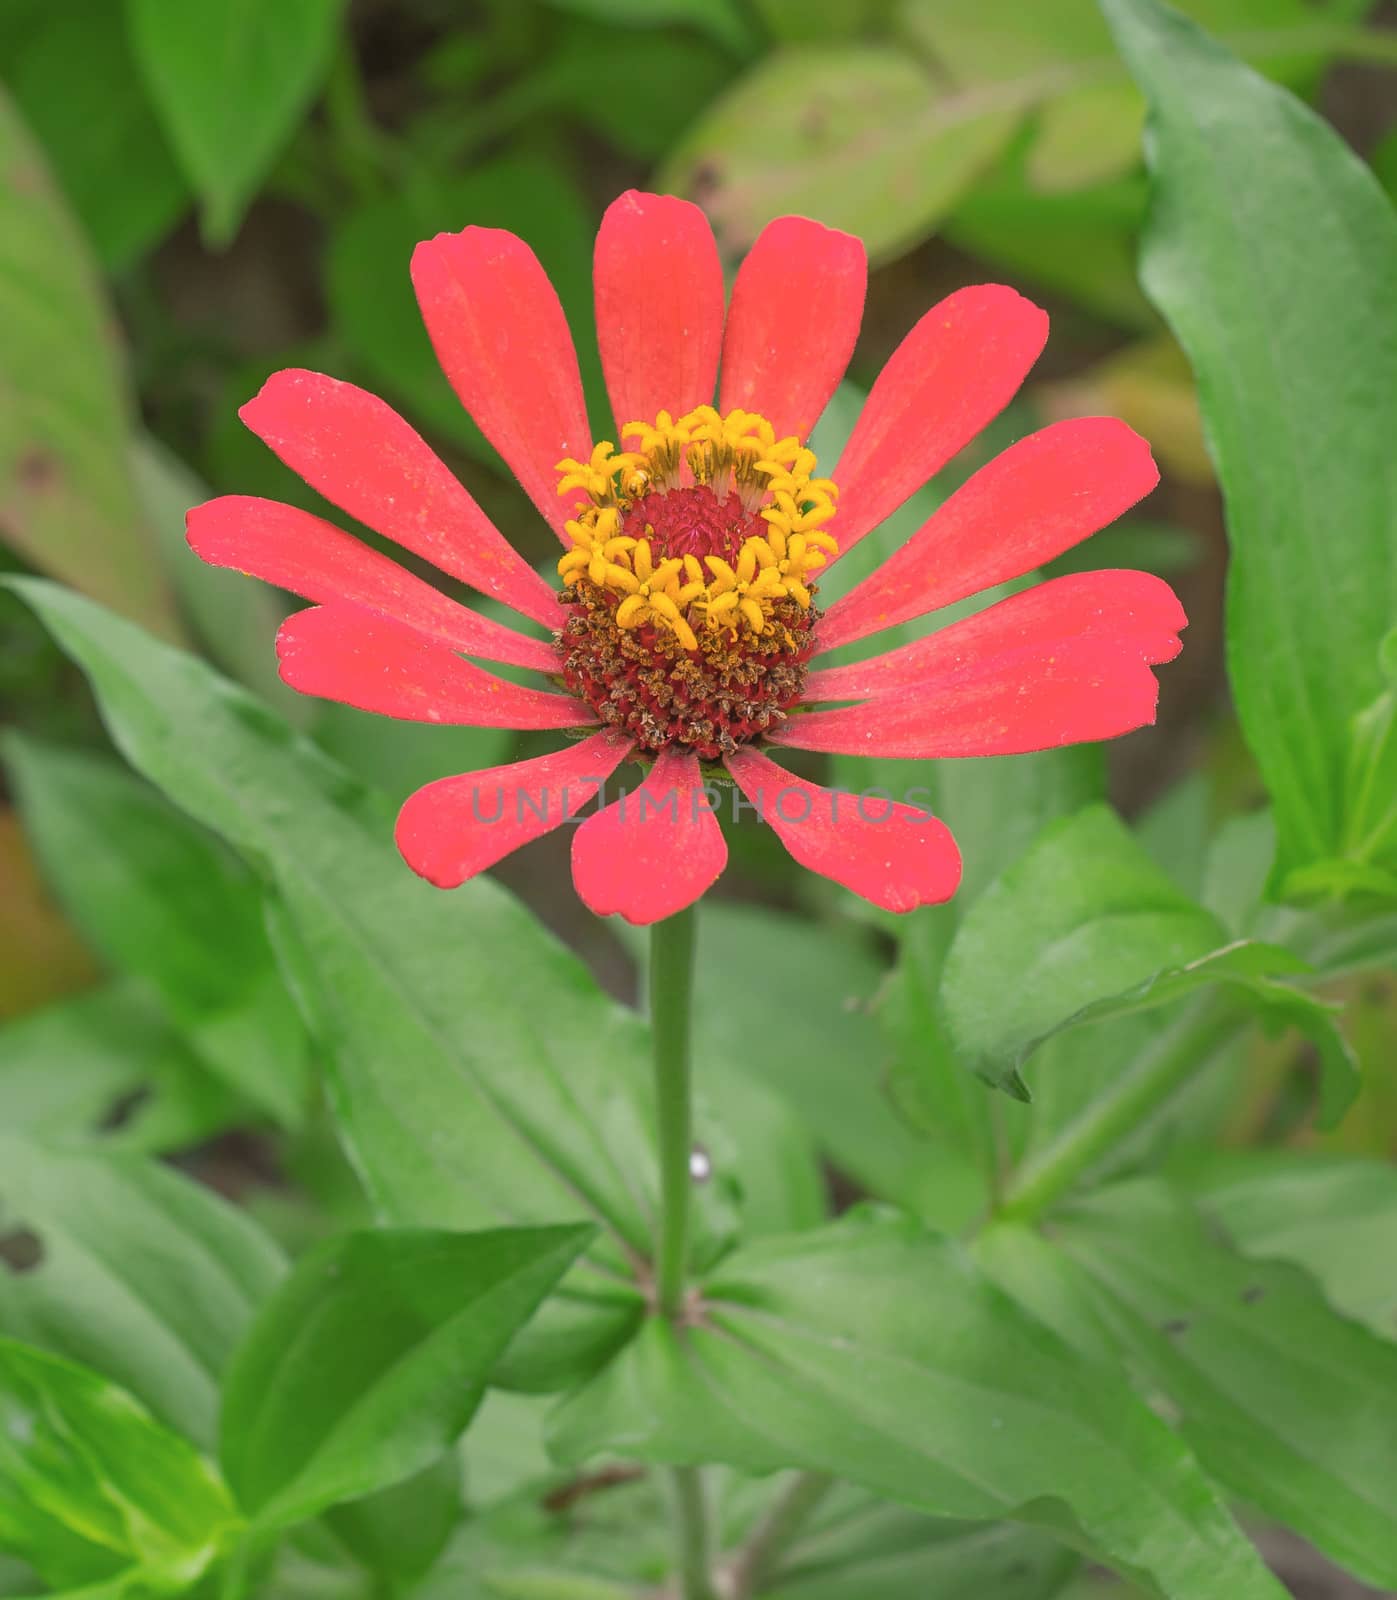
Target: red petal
793,322
456,827
659,294
363,457
316,560
1039,498
1135,613
892,854
955,372
361,658
654,852
1086,690
503,342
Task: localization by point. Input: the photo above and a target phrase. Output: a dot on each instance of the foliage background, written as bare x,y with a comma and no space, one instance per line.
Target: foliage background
194,197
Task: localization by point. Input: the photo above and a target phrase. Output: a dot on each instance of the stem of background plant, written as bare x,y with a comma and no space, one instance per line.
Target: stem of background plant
671,993
759,1558
1178,1056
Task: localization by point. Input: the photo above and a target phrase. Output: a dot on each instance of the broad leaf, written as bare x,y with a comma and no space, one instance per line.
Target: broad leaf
67,503
1272,251
825,1058
856,136
1084,927
863,137
92,1488
143,1274
372,1357
163,901
231,79
1332,1215
115,169
108,1065
856,1545
480,1076
877,1352
1286,1403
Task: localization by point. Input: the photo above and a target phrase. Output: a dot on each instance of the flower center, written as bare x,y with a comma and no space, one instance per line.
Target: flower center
691,578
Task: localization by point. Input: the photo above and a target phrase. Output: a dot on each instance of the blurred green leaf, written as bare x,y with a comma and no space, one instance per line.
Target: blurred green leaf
1078,243
67,503
230,80
1272,253
817,1352
372,1357
399,1532
370,291
143,1275
1285,1402
863,138
1332,1215
112,162
1088,125
234,619
162,900
858,137
856,1545
798,22
724,20
108,1065
92,1488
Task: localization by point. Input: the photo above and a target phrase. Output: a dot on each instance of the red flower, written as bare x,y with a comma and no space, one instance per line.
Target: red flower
687,627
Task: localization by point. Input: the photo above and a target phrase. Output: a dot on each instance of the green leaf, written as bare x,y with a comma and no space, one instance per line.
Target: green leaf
114,168
1332,1215
865,138
236,620
825,1058
107,1065
1287,1404
92,1487
398,1533
1271,251
479,1075
67,503
855,1545
1084,914
1085,928
1256,974
143,1274
856,136
163,901
231,79
372,1358
877,1352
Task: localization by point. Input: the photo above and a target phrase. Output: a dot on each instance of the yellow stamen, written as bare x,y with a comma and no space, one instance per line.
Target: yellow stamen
734,454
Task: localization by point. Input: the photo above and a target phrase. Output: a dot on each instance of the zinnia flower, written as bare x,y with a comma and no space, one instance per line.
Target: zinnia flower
686,625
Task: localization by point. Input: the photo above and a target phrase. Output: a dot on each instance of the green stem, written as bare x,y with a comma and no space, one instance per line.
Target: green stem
1173,1061
671,1008
691,1524
759,1558
671,1002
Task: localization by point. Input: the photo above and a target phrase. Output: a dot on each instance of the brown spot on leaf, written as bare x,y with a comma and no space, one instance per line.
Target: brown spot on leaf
21,1250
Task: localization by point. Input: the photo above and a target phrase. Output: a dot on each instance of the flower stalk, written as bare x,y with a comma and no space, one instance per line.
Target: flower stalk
671,992
671,1006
